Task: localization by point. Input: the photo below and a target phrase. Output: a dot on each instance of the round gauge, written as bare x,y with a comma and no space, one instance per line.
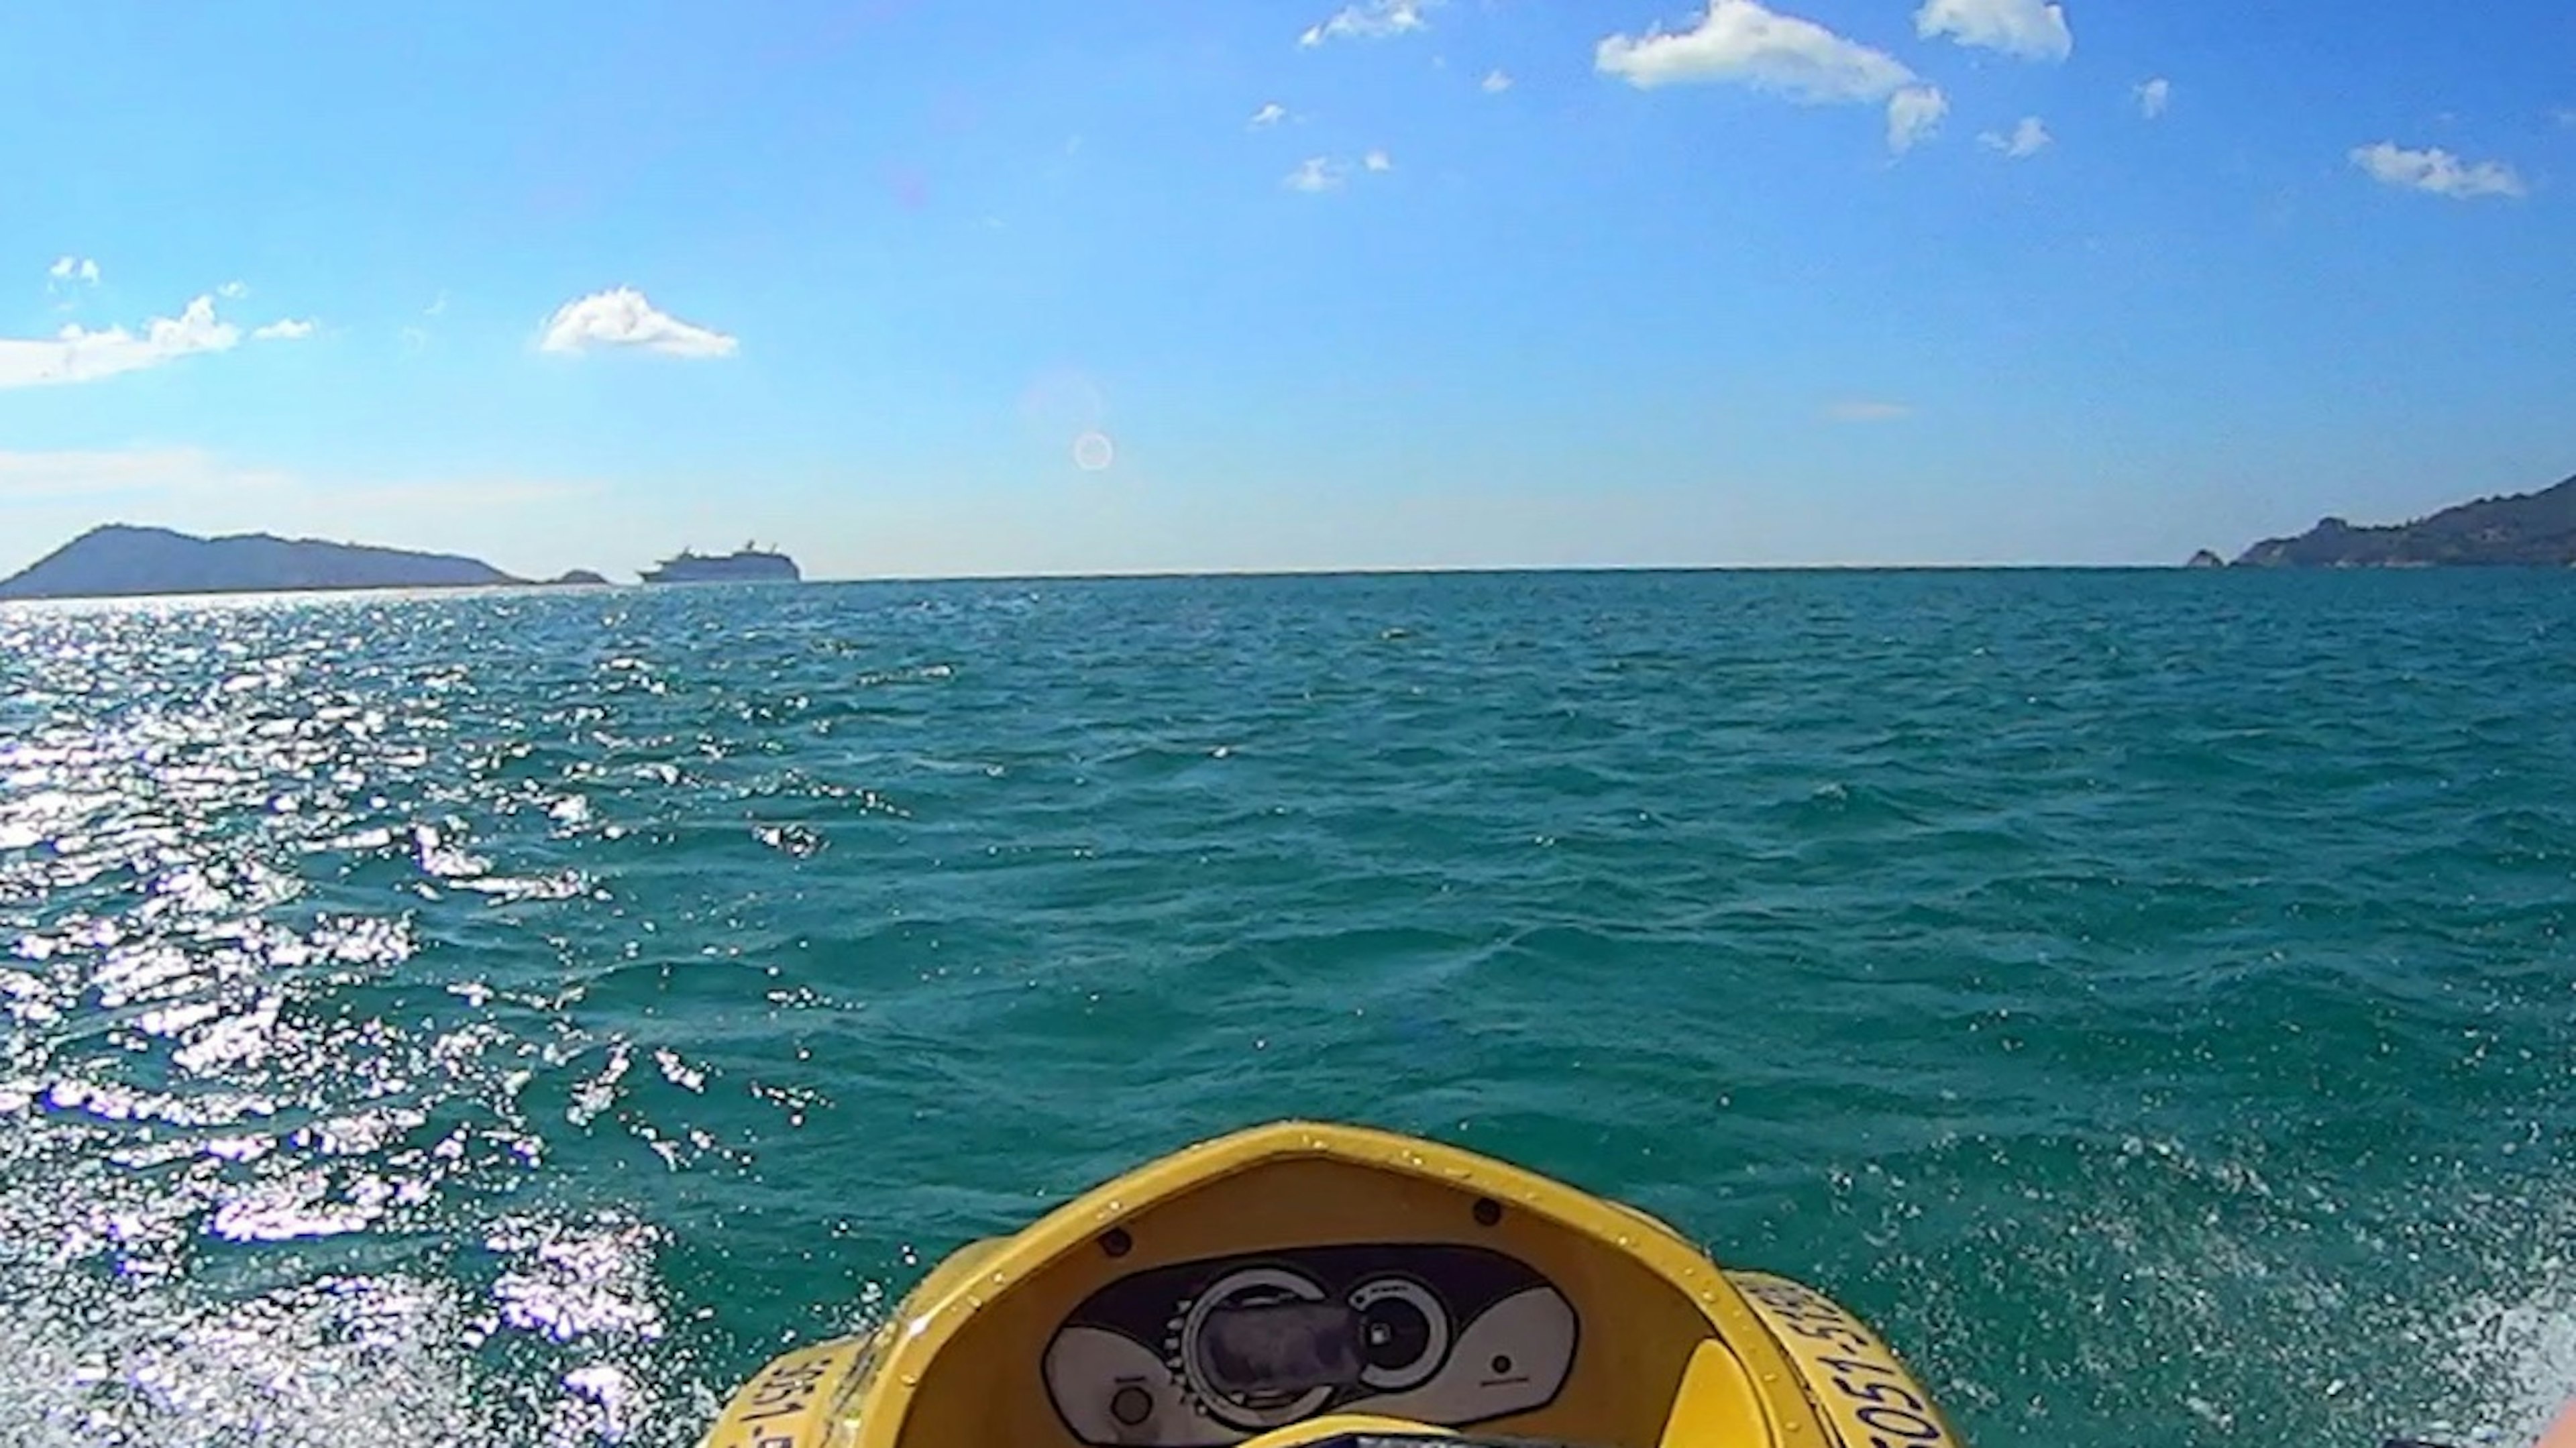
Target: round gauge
1249,1344
1404,1333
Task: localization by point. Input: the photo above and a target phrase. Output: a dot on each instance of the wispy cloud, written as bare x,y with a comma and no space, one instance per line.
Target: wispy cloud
1739,42
26,476
435,307
2026,140
202,492
77,354
1495,82
2436,171
2030,29
232,291
1268,116
620,319
2154,97
82,354
1914,115
284,329
74,269
188,472
1370,20
1863,410
1317,174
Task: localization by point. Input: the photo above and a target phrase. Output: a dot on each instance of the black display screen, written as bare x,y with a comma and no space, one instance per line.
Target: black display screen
1282,1348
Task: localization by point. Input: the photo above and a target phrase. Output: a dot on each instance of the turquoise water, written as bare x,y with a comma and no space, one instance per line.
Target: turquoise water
508,1019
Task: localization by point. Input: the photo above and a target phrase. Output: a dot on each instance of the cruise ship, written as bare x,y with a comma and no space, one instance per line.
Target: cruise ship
750,564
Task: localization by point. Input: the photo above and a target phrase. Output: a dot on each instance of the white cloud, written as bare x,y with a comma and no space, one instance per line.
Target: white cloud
621,317
1370,20
74,269
1317,174
1269,115
2436,171
2153,97
1741,43
284,329
2031,29
1496,82
1913,115
2027,139
1378,161
435,307
76,354
1859,410
232,290
2566,116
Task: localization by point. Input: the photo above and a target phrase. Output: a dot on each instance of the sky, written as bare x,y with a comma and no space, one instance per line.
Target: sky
942,287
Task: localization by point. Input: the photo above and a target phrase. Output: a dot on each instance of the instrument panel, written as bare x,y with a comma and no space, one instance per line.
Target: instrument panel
1204,1354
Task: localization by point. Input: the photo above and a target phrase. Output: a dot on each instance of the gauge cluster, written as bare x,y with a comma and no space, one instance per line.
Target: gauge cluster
1204,1354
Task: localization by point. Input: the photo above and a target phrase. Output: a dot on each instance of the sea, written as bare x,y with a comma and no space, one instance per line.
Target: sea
510,1018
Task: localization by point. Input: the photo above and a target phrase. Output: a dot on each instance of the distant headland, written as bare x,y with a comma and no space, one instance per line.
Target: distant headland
122,561
2528,530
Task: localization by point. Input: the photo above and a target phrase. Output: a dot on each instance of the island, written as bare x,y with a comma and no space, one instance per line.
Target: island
123,561
2527,530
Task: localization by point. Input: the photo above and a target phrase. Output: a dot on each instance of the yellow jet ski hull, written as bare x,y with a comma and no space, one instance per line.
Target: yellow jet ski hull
1305,1283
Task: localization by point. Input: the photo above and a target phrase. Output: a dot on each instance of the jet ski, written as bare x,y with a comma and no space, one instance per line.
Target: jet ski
1302,1283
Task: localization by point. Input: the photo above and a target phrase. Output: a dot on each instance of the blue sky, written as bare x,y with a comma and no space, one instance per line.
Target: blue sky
931,288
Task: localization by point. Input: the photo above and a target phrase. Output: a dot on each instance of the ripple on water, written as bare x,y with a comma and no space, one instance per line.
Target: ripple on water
505,1019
